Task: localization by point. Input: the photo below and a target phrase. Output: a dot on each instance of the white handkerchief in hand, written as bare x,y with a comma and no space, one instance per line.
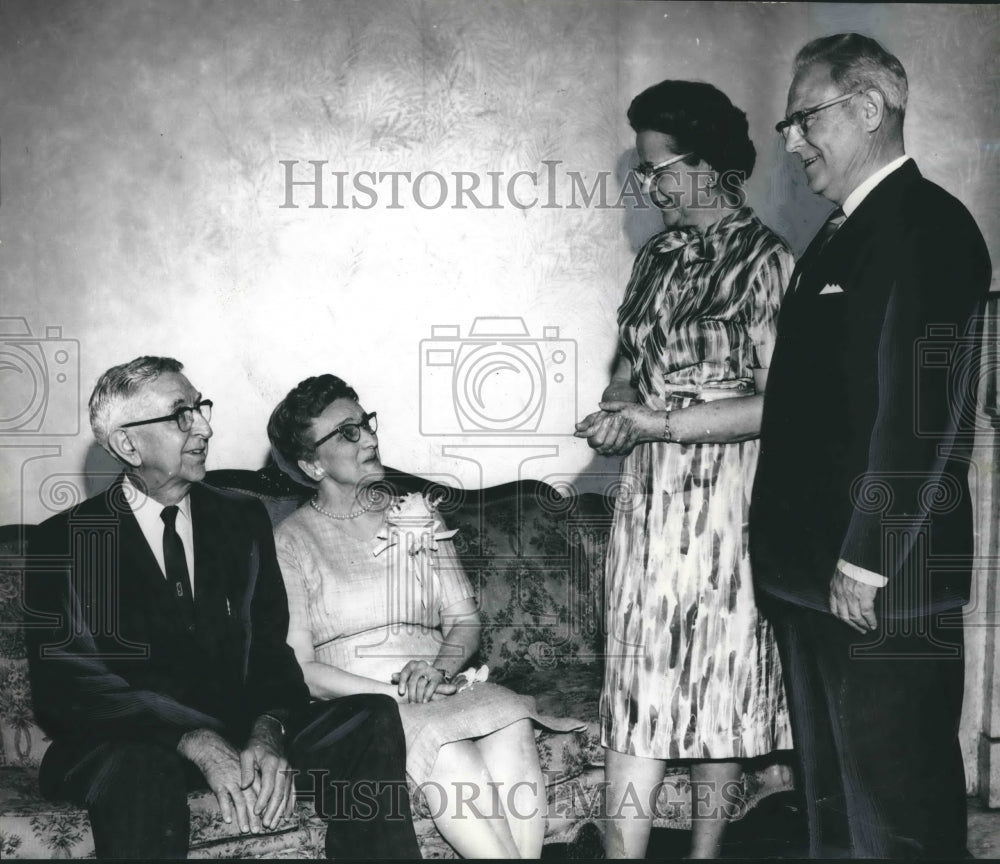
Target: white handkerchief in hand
832,289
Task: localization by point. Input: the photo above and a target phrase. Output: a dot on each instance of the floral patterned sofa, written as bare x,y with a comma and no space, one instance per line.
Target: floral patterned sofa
534,557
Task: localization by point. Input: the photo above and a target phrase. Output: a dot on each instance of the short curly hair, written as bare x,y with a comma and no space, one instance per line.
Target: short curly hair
701,120
288,428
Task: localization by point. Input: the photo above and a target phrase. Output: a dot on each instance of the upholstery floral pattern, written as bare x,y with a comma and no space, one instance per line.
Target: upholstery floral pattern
535,560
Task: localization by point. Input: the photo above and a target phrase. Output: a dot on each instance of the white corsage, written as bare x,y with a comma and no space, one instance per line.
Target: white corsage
413,527
471,676
412,518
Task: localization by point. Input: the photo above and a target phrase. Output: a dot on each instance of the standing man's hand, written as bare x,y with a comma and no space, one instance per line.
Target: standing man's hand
853,602
220,764
265,769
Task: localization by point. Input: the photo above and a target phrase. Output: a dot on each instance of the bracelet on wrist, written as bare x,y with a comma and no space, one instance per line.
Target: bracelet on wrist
668,433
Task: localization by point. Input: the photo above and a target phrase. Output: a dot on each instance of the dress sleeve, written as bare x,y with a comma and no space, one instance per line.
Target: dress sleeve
769,284
295,583
455,585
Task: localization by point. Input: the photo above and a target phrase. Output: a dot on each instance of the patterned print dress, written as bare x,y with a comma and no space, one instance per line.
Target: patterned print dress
691,670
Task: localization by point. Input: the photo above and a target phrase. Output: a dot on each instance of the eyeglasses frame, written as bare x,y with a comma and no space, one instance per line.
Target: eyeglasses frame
795,120
176,416
365,423
646,175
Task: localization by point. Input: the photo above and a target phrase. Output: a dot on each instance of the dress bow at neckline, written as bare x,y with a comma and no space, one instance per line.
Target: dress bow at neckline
695,245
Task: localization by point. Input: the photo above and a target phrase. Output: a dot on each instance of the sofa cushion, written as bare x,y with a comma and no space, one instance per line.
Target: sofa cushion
32,827
36,828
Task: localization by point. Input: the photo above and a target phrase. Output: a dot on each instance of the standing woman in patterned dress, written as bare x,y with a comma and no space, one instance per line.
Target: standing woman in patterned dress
691,670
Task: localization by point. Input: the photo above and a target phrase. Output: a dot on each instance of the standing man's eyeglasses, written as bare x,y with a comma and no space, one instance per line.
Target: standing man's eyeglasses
352,431
183,417
800,119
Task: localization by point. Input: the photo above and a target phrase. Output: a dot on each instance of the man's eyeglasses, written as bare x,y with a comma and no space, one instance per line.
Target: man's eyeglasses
646,171
800,119
352,431
183,417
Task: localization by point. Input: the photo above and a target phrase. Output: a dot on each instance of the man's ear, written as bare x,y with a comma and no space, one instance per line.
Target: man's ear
123,447
872,109
311,470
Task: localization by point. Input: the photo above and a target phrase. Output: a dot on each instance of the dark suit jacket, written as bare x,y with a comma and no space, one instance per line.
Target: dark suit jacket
868,413
110,656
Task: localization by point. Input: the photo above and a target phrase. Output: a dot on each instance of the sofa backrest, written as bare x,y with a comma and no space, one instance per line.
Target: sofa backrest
534,556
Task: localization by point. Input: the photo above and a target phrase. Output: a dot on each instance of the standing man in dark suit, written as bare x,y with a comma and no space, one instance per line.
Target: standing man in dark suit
158,656
861,520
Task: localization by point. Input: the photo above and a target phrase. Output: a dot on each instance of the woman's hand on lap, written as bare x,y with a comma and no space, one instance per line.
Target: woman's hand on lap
419,681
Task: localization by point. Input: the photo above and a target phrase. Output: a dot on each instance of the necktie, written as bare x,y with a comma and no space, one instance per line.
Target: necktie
833,222
175,562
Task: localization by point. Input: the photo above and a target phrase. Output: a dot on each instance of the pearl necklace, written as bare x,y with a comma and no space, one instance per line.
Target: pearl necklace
343,516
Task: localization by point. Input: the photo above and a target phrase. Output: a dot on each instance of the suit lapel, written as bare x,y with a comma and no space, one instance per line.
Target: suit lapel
820,265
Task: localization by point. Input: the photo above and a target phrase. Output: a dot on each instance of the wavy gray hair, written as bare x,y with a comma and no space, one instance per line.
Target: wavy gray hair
120,384
856,63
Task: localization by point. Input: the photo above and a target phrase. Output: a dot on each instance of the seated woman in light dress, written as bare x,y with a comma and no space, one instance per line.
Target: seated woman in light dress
376,595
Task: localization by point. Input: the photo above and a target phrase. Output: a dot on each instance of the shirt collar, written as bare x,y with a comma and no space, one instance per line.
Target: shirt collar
141,503
861,192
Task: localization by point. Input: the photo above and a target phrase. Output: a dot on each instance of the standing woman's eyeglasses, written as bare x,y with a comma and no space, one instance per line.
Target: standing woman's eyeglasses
646,171
352,431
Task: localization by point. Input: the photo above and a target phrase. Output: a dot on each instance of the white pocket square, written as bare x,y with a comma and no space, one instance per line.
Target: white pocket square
832,289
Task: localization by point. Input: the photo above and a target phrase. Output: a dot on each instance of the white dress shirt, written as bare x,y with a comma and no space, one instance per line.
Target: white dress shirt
147,513
860,574
853,200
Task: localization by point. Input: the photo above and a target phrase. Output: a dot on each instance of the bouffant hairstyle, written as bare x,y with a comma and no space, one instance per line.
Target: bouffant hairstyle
289,425
701,120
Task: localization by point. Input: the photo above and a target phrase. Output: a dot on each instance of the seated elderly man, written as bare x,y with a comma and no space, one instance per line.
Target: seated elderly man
159,663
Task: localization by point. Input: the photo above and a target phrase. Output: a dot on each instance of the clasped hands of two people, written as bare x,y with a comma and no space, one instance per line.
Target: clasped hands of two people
618,426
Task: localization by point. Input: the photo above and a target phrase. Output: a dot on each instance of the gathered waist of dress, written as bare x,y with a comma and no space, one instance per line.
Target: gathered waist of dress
709,391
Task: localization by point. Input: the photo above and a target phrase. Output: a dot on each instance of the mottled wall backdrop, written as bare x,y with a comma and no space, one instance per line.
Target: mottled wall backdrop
141,181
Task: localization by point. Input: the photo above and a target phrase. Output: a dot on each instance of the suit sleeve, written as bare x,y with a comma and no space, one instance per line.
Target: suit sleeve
939,276
274,683
74,690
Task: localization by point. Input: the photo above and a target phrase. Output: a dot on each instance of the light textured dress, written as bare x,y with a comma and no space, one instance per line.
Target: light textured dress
367,619
692,671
